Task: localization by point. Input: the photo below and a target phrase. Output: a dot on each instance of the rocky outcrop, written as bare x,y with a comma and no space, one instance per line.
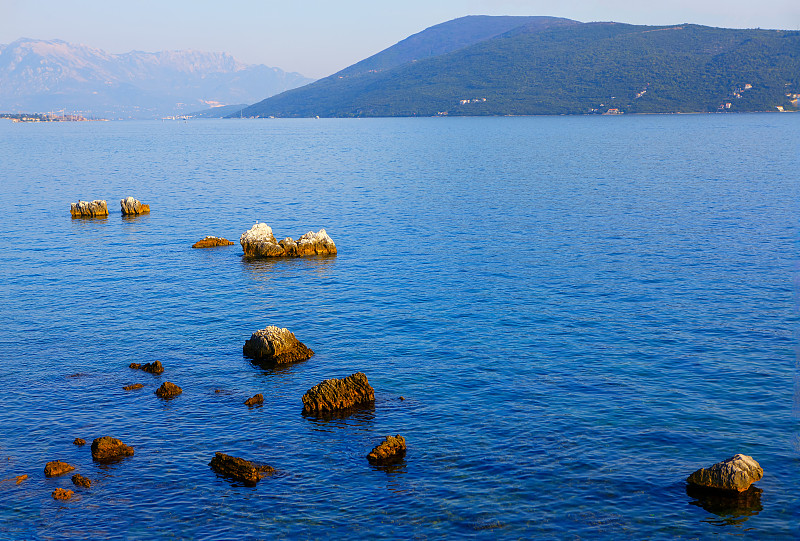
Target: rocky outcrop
212,242
80,481
133,207
168,390
79,441
275,345
254,400
258,241
151,368
390,451
239,469
133,387
20,478
89,209
56,468
735,474
62,494
108,449
338,394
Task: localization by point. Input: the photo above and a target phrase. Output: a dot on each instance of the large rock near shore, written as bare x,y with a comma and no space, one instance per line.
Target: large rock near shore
390,451
338,394
258,241
89,209
107,449
737,473
239,469
133,207
275,345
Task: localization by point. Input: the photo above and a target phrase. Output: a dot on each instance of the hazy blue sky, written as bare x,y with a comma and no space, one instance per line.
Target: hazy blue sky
319,37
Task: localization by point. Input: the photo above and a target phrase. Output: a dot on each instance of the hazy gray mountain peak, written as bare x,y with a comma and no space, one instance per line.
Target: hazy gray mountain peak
44,75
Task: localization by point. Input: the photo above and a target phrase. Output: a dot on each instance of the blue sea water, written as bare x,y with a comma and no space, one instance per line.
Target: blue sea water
577,311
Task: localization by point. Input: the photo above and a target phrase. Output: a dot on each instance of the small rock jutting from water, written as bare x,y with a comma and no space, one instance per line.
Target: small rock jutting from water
62,494
110,449
390,451
737,473
56,468
254,400
151,368
79,441
133,207
20,478
89,209
133,387
168,390
239,469
338,394
258,241
275,345
80,481
212,242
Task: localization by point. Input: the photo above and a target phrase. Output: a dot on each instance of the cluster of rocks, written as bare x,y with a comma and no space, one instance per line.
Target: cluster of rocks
98,208
152,368
258,241
104,449
89,209
133,207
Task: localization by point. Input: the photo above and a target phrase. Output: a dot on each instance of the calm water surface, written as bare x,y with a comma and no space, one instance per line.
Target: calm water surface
579,312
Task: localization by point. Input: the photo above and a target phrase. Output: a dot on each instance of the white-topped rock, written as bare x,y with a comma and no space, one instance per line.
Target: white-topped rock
259,241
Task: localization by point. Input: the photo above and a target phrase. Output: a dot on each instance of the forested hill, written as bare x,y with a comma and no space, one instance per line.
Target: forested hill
568,69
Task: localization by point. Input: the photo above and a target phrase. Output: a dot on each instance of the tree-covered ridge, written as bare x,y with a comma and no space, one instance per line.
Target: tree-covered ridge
571,69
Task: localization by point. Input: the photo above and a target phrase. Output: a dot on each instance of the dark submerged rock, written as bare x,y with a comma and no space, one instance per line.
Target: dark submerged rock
107,449
80,481
168,390
338,394
275,345
133,387
254,400
239,469
735,507
735,474
56,468
390,451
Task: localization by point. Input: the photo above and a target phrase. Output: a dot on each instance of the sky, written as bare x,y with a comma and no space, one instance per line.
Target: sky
319,37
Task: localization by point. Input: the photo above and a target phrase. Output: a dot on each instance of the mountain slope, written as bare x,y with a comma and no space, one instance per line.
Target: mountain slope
570,69
37,75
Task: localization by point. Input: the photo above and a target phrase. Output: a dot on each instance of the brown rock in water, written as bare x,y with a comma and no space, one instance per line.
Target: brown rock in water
390,451
212,242
56,468
79,441
80,481
108,449
338,394
62,494
151,368
168,390
258,241
239,469
89,209
737,473
252,401
132,387
20,478
275,345
133,207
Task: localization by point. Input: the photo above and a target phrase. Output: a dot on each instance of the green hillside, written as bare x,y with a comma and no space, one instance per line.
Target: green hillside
569,69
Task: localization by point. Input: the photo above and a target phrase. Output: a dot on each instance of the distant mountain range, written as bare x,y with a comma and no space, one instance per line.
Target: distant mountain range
40,76
481,65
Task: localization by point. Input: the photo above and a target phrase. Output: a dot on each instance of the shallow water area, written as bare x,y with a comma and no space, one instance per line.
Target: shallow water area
577,311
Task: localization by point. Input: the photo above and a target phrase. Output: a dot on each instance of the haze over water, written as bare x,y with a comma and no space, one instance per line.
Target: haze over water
577,311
